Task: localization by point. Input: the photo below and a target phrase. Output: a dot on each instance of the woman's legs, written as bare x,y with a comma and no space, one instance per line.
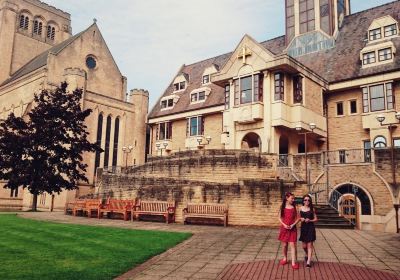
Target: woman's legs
293,251
284,250
310,248
304,244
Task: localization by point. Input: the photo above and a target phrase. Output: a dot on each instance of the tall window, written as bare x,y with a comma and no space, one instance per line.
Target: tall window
107,144
378,98
324,11
195,126
353,106
249,89
307,16
116,139
98,141
339,109
51,32
279,86
24,22
298,89
164,131
290,20
37,27
227,95
367,151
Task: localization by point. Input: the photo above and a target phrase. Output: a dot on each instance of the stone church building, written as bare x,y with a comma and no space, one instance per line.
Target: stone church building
323,97
38,51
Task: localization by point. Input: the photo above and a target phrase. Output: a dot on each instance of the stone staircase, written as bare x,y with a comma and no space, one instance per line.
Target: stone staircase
328,217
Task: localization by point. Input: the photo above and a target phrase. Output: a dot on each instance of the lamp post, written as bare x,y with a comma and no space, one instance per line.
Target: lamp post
126,151
162,147
299,128
391,126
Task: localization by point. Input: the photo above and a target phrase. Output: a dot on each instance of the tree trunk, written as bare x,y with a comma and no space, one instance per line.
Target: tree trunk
34,203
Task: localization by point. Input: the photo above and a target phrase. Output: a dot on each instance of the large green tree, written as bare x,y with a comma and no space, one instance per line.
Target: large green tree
43,150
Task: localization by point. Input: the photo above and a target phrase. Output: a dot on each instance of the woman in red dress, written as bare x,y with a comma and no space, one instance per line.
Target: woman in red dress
288,217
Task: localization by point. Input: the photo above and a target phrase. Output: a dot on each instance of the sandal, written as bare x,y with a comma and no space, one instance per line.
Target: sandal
283,262
295,266
308,265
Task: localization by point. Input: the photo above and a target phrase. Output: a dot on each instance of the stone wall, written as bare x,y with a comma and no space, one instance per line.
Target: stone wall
244,181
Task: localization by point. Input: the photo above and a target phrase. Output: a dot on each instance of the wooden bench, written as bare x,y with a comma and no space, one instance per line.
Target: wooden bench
118,206
78,206
159,208
206,210
92,205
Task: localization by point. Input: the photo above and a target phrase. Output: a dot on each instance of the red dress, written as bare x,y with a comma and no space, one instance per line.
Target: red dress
289,217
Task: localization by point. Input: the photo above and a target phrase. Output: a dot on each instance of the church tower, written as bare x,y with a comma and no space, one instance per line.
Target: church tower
313,20
28,28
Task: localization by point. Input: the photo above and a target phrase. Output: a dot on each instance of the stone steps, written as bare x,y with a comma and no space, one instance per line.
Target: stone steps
329,217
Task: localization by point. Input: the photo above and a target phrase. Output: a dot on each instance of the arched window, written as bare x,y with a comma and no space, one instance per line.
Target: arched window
51,32
116,137
37,27
107,144
24,21
98,141
380,142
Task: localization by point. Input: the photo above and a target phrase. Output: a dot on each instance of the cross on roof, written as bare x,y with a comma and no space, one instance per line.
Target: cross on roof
245,53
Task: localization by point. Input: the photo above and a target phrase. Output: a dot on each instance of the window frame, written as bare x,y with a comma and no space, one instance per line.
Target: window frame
279,86
368,60
179,86
256,89
385,49
389,97
167,103
227,91
373,37
341,107
298,86
385,31
167,131
199,126
353,101
208,79
375,142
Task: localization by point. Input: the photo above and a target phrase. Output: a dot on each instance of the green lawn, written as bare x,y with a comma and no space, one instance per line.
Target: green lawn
42,250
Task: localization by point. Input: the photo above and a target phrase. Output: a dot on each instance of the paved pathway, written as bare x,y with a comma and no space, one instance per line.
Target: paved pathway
211,250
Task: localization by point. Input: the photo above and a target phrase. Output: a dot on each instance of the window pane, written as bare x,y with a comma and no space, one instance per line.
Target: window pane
202,95
396,142
193,97
162,131
182,85
390,30
365,100
376,91
380,142
237,92
193,126
227,94
170,102
246,90
353,106
176,86
163,104
298,89
339,108
377,97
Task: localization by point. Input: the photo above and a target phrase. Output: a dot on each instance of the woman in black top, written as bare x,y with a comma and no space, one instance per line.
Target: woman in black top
307,233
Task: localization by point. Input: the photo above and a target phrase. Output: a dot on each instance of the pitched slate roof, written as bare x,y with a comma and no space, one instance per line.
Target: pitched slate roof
41,60
337,64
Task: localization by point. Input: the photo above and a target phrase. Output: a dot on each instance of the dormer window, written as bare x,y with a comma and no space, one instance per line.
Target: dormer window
385,54
179,86
167,103
206,79
375,34
369,58
198,96
390,30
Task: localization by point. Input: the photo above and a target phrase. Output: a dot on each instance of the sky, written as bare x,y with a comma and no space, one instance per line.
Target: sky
151,39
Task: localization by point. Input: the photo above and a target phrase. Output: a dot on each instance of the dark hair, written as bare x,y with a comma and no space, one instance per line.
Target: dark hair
311,205
287,195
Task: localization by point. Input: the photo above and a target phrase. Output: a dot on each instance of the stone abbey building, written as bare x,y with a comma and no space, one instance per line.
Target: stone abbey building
312,97
38,51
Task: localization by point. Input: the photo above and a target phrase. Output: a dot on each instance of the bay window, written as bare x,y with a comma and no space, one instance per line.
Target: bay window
249,89
378,98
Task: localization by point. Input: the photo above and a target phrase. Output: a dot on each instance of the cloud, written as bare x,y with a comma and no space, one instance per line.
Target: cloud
151,39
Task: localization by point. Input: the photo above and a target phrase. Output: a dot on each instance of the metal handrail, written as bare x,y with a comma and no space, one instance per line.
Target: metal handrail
334,203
